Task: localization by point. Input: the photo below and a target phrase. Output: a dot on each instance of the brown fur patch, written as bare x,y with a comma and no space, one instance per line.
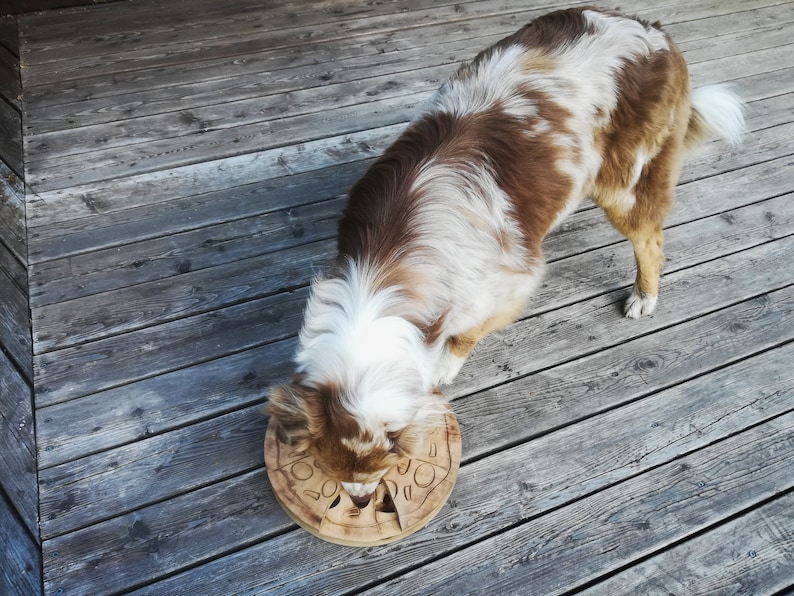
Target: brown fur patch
652,101
314,419
652,117
378,222
553,30
462,345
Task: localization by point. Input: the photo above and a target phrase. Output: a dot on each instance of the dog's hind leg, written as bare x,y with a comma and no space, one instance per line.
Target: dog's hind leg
638,213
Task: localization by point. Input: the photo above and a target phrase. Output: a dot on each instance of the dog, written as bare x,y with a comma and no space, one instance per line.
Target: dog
440,241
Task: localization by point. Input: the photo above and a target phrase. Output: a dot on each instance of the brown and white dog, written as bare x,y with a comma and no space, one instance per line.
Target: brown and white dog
440,242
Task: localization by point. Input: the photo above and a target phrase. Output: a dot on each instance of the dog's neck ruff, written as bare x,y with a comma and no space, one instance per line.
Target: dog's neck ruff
354,337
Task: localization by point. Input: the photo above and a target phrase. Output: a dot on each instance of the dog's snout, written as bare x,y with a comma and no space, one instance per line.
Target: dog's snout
360,494
361,501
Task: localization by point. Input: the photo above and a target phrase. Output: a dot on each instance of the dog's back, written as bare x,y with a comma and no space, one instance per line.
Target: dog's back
579,102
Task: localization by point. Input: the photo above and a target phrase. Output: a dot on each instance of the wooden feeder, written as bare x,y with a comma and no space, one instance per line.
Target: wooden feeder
407,498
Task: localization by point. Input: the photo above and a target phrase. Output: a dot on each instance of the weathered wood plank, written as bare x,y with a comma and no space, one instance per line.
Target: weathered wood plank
8,33
172,117
15,337
11,133
10,85
208,176
232,77
243,41
17,444
20,557
213,335
532,479
587,539
135,548
172,525
14,270
101,198
85,274
73,429
12,213
119,228
160,403
247,40
139,94
79,493
249,95
193,293
751,554
16,403
178,253
159,24
285,114
155,302
66,171
120,360
267,136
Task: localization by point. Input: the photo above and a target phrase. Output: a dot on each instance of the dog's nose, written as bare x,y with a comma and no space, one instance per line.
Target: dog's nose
360,501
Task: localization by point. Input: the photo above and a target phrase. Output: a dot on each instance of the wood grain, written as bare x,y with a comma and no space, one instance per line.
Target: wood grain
208,134
81,493
589,538
216,243
175,518
15,337
20,556
147,114
530,485
12,214
18,444
186,163
750,553
10,84
75,428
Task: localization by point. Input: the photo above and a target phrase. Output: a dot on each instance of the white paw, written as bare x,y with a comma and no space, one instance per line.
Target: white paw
448,367
639,304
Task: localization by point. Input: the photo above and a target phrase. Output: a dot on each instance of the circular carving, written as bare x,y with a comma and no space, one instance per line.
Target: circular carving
402,504
330,488
424,475
301,471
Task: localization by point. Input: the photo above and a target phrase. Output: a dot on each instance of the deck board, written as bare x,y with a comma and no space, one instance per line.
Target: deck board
185,163
751,553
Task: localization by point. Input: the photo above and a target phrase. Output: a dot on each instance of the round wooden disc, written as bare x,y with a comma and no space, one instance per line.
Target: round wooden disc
407,498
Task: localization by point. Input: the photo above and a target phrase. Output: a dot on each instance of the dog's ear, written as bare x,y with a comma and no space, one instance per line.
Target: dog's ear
410,441
288,408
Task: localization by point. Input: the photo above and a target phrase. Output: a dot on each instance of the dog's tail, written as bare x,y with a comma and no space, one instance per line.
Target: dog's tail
716,111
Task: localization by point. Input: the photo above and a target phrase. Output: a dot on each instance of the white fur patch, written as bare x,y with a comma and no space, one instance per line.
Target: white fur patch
495,81
722,111
357,489
379,360
639,304
641,161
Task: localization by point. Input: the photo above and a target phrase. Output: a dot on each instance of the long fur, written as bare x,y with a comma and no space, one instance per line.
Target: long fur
440,242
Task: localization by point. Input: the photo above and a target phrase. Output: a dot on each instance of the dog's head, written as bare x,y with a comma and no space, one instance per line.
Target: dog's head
349,446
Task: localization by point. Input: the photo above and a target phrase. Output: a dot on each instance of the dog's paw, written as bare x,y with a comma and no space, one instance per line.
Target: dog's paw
448,368
639,304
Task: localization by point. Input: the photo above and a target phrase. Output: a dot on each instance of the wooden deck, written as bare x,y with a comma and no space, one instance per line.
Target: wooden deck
184,163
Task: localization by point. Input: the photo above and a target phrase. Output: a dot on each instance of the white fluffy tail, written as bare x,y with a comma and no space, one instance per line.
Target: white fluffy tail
716,111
